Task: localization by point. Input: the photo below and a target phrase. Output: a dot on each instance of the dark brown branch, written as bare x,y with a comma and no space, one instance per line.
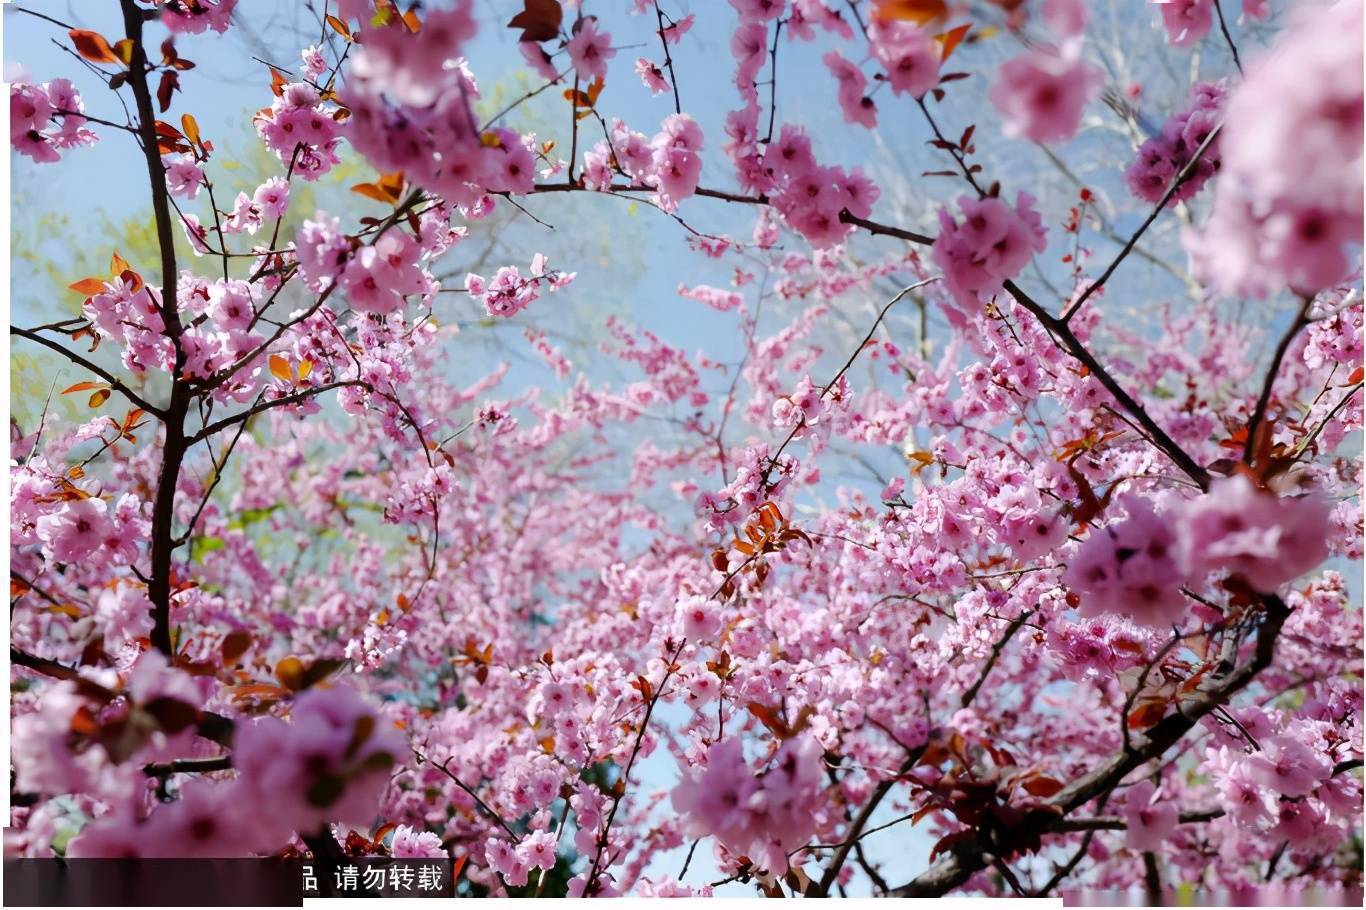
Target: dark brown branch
668,58
41,665
93,367
590,883
66,25
1269,384
964,860
174,446
484,807
188,766
219,425
1228,38
213,727
1314,434
996,650
1178,181
1063,333
855,832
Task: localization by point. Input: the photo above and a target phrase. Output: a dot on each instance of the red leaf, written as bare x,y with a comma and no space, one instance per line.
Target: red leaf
84,387
1146,715
235,644
92,46
917,11
1043,786
951,39
88,286
539,20
170,81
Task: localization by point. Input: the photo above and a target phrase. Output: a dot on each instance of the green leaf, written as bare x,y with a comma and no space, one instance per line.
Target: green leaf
202,546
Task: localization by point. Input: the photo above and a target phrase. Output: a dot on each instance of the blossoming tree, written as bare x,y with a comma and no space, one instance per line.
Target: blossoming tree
292,589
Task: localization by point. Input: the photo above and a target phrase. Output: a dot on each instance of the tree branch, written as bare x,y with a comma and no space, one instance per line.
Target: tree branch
967,858
219,425
1063,333
174,447
93,367
1268,385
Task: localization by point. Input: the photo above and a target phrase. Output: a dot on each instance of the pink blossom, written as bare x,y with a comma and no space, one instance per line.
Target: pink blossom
1264,539
1131,567
272,197
652,76
759,816
315,64
700,618
1167,154
194,17
1288,766
411,843
1288,200
854,102
33,110
1042,95
1186,21
330,764
993,242
76,529
1067,18
537,850
1149,819
183,176
589,50
908,54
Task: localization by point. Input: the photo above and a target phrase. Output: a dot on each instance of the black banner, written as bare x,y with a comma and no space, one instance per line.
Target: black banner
219,882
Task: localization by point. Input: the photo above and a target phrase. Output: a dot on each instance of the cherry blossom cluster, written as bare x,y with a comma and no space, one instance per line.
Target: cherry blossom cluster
1137,566
990,244
47,119
194,17
301,128
670,161
765,815
1168,154
508,292
1043,92
1287,204
1188,21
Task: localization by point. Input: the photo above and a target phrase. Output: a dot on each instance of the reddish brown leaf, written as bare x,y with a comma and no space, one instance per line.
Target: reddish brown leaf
950,40
1043,786
339,27
170,81
92,46
539,20
88,286
235,644
1147,714
918,11
85,387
